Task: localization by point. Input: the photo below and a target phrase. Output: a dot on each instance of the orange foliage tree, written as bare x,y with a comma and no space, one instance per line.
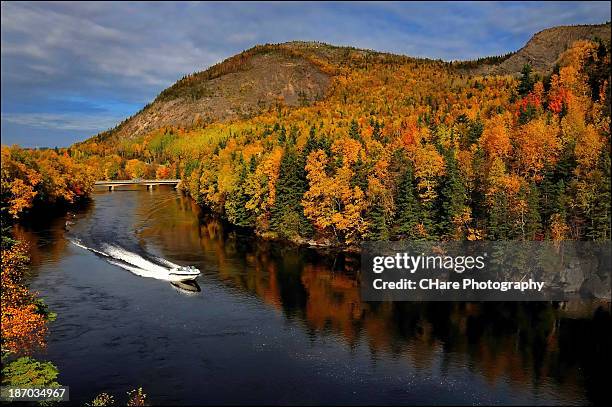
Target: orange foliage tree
23,322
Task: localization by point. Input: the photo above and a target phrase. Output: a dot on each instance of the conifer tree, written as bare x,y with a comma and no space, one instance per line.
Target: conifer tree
287,214
533,221
282,136
408,210
354,132
598,226
376,130
452,194
360,178
498,227
526,83
379,229
235,206
552,195
475,130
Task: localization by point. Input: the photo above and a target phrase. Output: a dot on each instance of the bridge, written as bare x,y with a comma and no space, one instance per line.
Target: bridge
150,183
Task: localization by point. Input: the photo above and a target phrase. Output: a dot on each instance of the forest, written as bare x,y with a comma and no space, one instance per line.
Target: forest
401,149
35,178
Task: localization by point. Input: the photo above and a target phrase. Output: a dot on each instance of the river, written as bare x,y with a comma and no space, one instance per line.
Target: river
273,324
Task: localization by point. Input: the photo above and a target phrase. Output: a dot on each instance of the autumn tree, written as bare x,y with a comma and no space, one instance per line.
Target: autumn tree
31,177
135,168
23,320
330,202
162,172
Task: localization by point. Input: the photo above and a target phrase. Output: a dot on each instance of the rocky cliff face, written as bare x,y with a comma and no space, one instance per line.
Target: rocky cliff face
543,50
258,82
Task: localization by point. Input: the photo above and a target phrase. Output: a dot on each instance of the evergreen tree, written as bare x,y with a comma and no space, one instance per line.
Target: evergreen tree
282,136
408,210
477,194
475,130
566,164
293,135
498,222
287,214
526,83
376,130
552,195
312,143
360,179
354,132
527,114
532,220
452,195
598,224
235,206
379,229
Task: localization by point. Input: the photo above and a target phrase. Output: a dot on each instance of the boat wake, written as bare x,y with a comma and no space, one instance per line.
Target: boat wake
154,267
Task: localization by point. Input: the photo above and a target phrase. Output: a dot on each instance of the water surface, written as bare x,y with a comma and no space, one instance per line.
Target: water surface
272,324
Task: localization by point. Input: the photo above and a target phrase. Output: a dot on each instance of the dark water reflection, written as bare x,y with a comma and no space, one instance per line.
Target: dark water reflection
275,324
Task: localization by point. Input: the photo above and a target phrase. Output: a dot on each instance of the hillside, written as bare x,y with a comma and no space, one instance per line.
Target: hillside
262,79
339,145
299,73
290,74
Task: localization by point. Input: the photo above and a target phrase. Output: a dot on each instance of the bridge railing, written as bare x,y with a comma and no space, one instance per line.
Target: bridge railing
150,183
138,182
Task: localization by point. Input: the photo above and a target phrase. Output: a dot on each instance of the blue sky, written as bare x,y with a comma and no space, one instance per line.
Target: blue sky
70,70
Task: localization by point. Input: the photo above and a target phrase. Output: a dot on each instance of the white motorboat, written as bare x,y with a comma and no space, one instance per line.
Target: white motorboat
183,273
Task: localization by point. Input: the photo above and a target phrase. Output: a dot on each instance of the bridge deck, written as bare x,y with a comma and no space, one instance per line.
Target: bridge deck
138,182
150,183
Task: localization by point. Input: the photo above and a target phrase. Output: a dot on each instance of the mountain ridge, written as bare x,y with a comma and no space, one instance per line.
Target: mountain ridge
298,73
544,48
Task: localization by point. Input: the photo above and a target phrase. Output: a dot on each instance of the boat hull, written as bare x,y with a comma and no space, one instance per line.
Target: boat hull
182,277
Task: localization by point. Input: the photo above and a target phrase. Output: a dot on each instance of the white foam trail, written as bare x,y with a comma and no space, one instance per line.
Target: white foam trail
78,243
134,259
166,262
141,272
134,263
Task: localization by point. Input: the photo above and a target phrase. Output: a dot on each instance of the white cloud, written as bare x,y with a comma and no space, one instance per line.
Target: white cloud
59,121
130,51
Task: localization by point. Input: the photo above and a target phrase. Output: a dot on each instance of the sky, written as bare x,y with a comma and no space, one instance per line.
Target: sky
73,69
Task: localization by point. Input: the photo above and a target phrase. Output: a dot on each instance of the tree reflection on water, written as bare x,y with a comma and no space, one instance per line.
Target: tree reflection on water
530,345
